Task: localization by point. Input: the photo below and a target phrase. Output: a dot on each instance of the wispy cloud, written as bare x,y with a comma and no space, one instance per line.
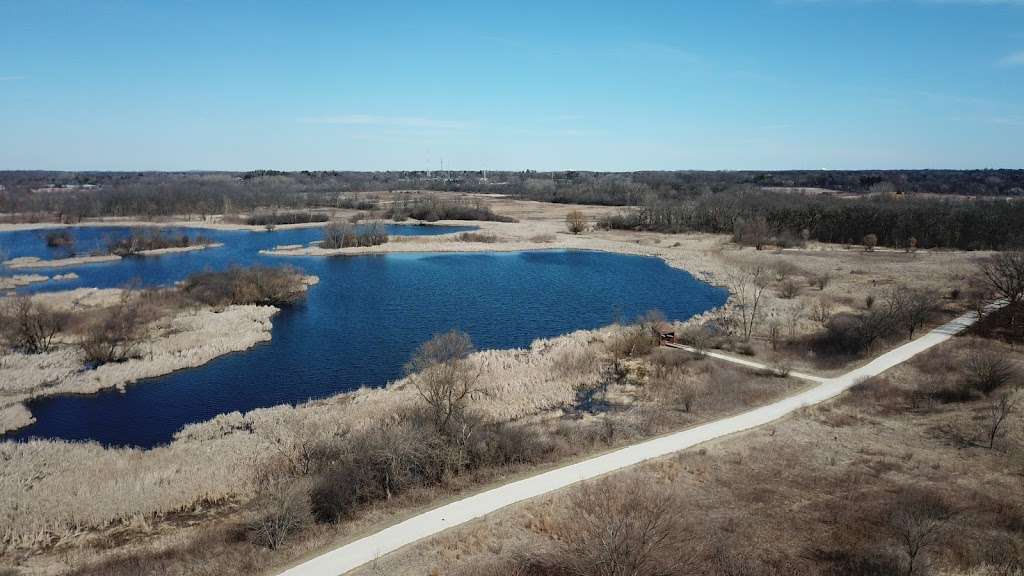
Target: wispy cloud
388,121
1012,60
11,78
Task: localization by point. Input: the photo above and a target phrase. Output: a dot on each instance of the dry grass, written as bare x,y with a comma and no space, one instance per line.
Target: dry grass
838,489
225,461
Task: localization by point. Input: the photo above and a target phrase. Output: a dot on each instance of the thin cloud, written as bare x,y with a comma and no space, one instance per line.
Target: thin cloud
11,78
1012,60
388,121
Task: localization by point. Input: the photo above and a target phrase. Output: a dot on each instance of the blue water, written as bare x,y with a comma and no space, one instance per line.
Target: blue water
360,324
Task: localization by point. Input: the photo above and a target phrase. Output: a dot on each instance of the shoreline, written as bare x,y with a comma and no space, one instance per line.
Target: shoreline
34,262
177,249
188,339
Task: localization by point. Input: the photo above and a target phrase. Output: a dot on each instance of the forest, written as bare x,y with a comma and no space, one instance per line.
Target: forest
972,209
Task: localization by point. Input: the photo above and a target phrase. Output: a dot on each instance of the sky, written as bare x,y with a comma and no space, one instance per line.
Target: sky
590,85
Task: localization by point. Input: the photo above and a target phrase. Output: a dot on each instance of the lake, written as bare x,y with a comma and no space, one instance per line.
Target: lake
358,326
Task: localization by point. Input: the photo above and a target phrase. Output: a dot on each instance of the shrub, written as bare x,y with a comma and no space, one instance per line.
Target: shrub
822,280
60,239
477,237
139,241
789,289
696,337
279,218
30,327
433,209
115,336
576,221
348,235
617,529
988,371
284,514
259,285
870,241
633,341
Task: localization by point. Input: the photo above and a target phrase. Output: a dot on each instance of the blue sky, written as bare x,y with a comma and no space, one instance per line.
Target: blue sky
770,84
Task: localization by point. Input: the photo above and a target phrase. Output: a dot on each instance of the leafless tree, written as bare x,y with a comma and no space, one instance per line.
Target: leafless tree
748,287
30,327
998,411
918,522
443,378
1004,275
576,221
911,308
116,335
754,232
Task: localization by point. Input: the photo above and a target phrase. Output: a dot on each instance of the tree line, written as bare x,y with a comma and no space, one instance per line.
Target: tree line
758,217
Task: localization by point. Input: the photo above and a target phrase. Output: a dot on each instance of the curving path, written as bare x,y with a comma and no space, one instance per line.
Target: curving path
369,548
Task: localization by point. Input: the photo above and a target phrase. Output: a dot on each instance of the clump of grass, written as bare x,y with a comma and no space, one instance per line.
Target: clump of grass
477,237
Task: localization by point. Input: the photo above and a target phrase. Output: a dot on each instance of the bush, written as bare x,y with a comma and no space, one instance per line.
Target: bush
279,218
284,514
432,210
988,371
633,341
348,235
576,221
260,285
60,239
29,327
115,336
789,289
477,237
140,241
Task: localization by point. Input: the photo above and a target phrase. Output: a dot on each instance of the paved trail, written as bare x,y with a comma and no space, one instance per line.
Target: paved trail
369,548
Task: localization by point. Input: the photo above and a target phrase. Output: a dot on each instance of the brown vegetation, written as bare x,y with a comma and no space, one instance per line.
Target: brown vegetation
348,235
259,285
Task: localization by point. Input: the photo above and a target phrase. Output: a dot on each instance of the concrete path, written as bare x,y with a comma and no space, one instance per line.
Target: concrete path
369,548
744,362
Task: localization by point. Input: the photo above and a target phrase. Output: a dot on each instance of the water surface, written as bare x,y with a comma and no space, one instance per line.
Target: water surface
360,324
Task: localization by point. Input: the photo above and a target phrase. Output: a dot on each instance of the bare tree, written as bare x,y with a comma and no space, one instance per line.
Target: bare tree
443,378
116,336
30,327
998,412
911,308
918,522
1004,275
576,221
748,287
754,232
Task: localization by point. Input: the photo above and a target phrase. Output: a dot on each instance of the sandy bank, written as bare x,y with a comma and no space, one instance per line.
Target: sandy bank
178,249
19,280
188,339
34,262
